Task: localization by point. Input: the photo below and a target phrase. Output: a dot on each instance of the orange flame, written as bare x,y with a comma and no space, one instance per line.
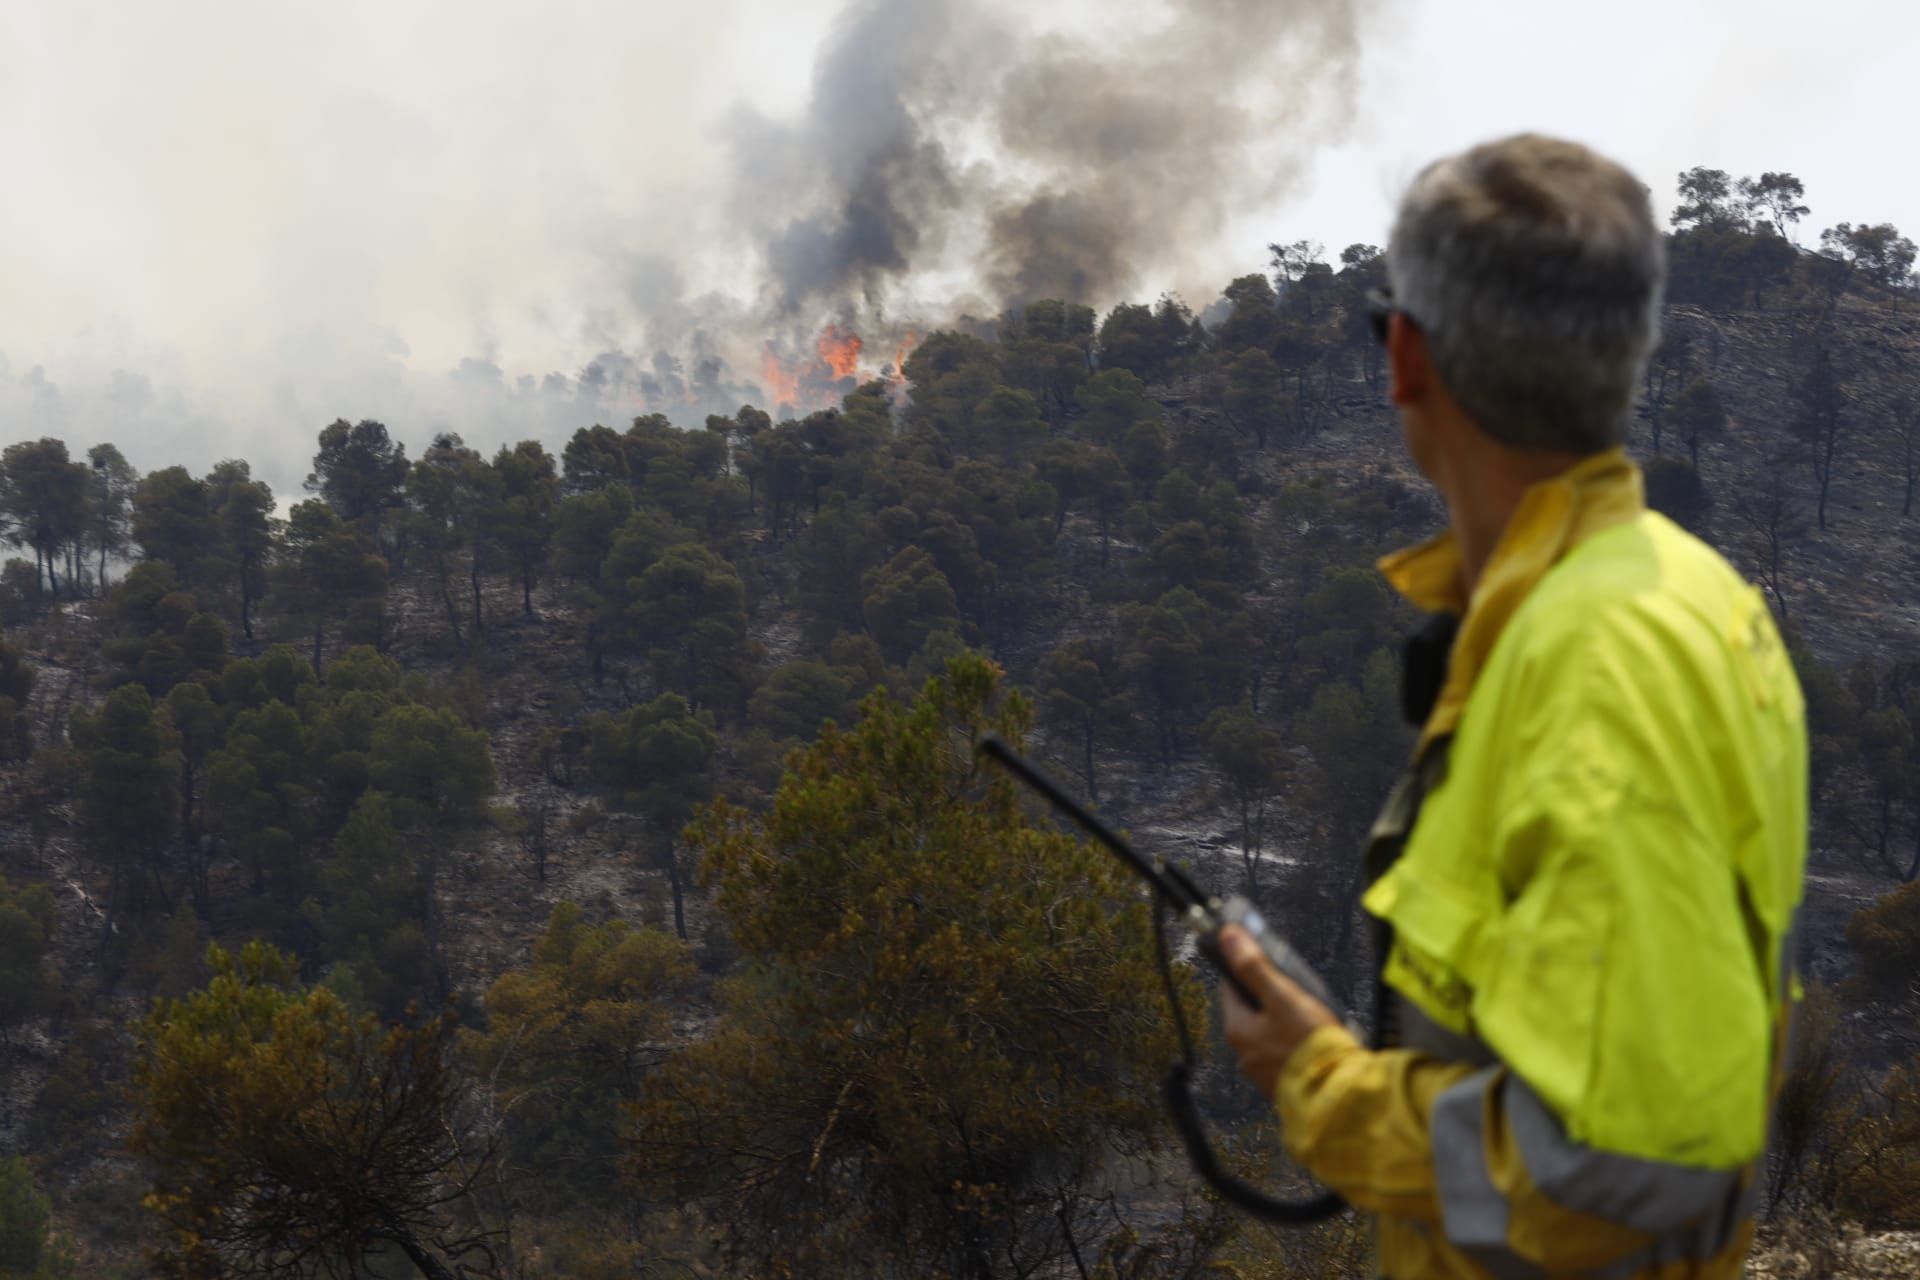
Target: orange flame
905,349
779,383
840,351
803,384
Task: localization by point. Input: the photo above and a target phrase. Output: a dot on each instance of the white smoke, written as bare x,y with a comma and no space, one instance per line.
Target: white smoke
243,221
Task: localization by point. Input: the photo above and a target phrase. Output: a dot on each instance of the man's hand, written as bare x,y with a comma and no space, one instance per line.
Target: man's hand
1265,1038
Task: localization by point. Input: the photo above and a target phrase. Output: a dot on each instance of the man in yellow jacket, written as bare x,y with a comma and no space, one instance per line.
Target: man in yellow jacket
1586,883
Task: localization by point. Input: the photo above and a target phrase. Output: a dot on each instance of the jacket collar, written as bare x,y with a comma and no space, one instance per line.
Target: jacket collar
1553,517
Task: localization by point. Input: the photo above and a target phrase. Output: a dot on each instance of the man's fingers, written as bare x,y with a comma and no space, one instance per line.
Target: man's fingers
1247,962
1264,1038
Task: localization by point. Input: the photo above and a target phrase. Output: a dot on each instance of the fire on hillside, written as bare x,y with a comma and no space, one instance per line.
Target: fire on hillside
838,364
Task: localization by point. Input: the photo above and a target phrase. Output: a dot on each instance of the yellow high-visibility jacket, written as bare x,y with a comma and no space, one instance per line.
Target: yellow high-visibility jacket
1590,916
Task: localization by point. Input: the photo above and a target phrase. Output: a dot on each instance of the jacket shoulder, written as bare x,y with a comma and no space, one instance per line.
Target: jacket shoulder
1648,570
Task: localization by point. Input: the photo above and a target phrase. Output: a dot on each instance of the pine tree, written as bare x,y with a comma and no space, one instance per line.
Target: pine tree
521,519
569,1040
329,571
656,759
244,509
280,1126
948,1022
110,488
129,795
43,503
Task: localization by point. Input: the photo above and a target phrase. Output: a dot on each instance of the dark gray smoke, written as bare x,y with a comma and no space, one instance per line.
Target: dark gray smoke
952,158
865,170
1071,163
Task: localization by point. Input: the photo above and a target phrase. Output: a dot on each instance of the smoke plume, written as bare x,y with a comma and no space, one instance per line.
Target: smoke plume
1073,163
439,233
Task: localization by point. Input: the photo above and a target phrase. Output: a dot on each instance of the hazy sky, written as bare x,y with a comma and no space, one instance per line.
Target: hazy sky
226,224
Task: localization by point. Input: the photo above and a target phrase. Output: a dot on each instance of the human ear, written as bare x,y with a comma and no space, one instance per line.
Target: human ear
1409,366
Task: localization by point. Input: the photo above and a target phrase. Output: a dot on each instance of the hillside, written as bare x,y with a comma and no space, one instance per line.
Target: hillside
1162,530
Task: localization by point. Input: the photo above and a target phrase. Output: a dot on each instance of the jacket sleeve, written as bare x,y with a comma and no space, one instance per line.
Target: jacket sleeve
1360,1120
1475,1155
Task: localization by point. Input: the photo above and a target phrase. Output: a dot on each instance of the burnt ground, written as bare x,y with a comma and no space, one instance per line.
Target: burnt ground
1850,590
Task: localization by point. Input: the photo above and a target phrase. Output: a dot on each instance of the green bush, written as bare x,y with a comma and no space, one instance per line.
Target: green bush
1885,937
24,1214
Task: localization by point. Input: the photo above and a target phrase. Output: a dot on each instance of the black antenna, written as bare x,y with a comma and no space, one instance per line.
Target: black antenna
1169,882
1177,889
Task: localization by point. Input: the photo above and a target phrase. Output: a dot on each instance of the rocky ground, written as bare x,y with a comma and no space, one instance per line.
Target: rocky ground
1829,1251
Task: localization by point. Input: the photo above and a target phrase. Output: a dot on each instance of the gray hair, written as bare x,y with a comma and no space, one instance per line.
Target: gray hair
1534,269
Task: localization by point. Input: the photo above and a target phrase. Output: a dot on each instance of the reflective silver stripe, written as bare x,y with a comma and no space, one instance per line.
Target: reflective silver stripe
1396,814
1693,1213
1646,1195
1394,824
1471,1208
1707,1238
1423,1035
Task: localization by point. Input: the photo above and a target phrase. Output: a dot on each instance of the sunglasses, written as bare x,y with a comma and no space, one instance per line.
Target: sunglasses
1380,306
